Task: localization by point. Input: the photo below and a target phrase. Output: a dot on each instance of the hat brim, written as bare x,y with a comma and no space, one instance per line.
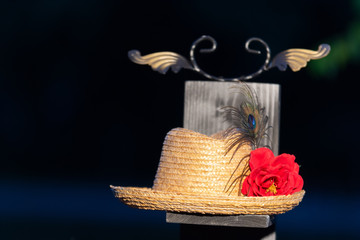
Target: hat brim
147,198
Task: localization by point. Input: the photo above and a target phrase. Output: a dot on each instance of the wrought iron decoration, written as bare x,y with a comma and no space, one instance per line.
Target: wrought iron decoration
295,58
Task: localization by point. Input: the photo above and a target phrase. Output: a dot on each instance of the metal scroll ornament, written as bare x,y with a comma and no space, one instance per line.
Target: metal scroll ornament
295,58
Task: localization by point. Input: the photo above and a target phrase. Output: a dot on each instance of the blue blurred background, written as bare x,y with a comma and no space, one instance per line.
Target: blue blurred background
76,115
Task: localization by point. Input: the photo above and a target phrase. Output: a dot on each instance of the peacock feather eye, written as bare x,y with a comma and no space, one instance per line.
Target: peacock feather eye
251,121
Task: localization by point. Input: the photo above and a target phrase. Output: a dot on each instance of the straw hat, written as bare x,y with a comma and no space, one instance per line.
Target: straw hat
195,176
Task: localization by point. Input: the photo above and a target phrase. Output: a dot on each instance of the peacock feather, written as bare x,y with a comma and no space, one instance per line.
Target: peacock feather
248,121
248,126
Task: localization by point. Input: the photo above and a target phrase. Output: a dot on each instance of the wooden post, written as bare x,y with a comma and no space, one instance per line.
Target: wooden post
203,100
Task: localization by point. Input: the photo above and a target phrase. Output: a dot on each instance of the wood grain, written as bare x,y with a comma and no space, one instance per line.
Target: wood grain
204,99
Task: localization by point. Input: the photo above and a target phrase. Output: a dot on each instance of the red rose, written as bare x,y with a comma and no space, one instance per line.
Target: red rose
272,175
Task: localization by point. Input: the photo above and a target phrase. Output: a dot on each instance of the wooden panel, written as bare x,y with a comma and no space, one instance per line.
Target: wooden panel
259,221
203,100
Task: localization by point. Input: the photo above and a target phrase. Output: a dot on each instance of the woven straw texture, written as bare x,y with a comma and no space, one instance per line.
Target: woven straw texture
146,198
196,175
195,163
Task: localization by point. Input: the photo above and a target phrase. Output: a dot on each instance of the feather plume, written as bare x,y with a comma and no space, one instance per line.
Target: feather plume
248,121
248,127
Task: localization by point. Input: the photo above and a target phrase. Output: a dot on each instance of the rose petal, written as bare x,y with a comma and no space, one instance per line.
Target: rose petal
296,168
262,192
299,183
245,186
284,160
268,180
280,191
259,157
258,175
253,190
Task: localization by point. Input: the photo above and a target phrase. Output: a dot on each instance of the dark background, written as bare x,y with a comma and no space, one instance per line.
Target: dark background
76,115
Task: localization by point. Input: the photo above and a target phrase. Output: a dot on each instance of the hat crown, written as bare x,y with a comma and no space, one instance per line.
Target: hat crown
193,163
